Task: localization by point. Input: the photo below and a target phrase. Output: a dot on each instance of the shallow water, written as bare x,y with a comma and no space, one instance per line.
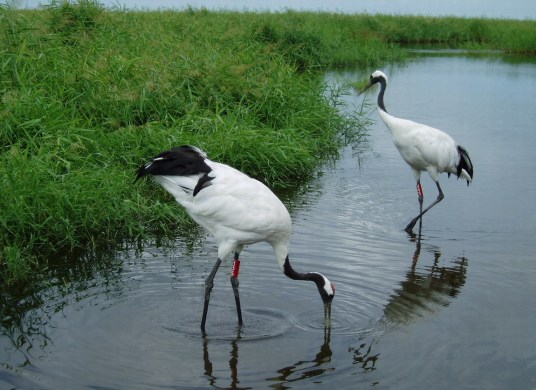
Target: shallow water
454,309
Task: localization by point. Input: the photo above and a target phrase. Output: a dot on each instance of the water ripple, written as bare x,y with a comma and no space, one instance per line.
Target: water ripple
259,323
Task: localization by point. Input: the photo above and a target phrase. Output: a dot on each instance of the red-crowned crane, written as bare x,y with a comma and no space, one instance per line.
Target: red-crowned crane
235,209
424,148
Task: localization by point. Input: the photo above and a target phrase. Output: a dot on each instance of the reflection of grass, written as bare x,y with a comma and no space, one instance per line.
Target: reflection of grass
87,94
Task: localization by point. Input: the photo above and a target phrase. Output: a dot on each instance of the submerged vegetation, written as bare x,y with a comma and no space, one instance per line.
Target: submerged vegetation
87,94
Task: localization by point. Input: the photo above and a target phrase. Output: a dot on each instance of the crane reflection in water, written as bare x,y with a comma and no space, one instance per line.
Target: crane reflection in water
297,371
426,288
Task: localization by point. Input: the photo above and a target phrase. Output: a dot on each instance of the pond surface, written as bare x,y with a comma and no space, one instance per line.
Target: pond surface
455,309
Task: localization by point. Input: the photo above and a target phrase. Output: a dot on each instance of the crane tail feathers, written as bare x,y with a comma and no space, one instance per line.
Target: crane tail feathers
465,166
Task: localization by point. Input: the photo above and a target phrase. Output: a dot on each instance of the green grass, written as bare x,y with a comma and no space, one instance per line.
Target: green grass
511,36
88,94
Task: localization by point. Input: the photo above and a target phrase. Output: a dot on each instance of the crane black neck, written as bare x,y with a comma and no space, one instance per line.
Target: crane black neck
383,85
316,277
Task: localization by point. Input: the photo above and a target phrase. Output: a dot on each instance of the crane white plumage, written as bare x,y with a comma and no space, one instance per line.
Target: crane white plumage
235,209
424,148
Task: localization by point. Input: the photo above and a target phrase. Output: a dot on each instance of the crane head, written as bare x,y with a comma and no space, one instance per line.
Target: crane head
376,77
327,292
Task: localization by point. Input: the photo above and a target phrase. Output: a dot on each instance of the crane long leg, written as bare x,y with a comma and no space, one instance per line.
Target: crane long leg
209,284
439,198
234,283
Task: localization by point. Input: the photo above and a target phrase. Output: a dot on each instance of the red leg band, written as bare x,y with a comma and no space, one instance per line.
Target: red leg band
419,189
236,268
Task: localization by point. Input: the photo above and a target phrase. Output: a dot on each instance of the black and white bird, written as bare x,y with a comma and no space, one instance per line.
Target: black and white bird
235,209
424,148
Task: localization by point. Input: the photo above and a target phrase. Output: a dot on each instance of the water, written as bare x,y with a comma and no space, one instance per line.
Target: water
454,309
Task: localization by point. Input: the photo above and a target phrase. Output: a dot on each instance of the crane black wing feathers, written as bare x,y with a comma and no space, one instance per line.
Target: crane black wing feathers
181,161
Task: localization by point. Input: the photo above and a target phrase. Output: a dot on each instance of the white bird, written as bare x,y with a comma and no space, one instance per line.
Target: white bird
234,208
424,148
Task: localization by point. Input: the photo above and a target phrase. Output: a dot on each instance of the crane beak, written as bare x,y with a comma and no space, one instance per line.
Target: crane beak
327,322
327,306
364,89
327,314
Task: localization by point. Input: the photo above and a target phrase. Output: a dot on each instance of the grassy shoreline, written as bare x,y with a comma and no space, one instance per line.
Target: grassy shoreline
87,94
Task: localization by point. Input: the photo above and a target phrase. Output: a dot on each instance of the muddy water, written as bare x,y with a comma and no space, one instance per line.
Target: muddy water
453,309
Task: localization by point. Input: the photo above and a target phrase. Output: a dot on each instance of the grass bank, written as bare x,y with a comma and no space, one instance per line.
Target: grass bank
87,94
